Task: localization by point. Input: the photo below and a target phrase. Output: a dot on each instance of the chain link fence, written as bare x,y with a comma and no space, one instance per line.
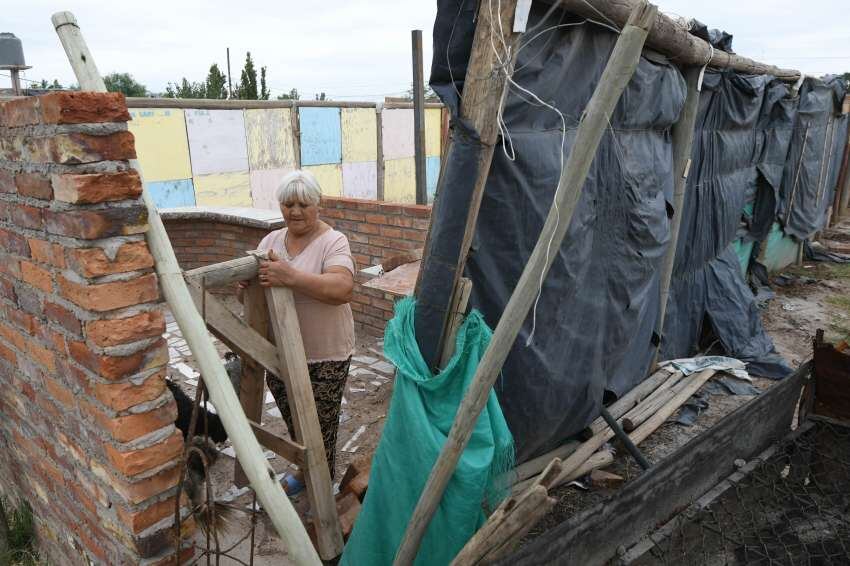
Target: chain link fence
792,509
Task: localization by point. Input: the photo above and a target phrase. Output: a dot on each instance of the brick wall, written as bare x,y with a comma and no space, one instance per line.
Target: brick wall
376,231
87,432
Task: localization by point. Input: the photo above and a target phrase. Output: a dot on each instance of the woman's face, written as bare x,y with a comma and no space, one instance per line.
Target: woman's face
300,218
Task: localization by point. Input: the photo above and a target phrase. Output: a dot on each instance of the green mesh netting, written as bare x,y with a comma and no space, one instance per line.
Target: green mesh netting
421,412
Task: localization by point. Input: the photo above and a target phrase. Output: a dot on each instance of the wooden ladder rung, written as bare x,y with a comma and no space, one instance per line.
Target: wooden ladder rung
284,447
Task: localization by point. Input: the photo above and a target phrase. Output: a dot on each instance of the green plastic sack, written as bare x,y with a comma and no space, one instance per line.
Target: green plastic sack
421,413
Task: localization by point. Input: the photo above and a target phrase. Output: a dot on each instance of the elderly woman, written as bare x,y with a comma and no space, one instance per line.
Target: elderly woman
313,260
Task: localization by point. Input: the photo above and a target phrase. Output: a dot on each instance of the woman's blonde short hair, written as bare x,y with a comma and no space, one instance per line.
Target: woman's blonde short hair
299,186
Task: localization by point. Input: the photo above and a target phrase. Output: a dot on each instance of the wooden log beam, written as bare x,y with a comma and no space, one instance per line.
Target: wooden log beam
484,90
419,117
227,272
674,40
683,140
283,516
283,447
617,74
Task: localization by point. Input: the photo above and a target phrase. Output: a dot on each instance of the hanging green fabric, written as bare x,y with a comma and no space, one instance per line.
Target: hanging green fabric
421,413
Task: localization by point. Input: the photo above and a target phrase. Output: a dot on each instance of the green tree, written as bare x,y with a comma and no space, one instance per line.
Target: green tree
264,91
185,89
124,82
247,88
291,95
430,95
216,86
322,96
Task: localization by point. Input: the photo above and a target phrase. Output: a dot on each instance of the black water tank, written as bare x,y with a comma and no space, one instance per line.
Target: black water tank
11,51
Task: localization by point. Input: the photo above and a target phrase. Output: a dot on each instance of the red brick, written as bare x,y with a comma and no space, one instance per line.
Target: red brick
83,108
59,392
78,148
36,276
110,296
92,224
390,232
97,187
34,185
62,316
20,112
135,462
8,355
13,337
141,490
418,210
415,235
365,205
93,262
131,427
124,330
391,208
14,243
117,367
368,228
42,355
7,290
7,178
26,216
139,520
123,395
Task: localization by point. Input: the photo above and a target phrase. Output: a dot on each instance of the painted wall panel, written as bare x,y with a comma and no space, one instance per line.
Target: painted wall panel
432,174
400,181
781,250
269,135
169,194
223,189
433,131
397,131
359,135
161,143
217,141
264,185
321,136
360,180
329,178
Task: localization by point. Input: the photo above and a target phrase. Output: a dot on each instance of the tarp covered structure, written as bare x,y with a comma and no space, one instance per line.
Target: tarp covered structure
599,305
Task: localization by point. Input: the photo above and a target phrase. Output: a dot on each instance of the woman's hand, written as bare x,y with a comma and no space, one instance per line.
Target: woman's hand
277,272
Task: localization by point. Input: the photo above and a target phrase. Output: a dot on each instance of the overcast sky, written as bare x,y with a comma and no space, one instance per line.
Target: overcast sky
355,49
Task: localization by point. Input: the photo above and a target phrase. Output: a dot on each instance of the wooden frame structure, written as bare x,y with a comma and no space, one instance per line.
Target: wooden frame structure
272,311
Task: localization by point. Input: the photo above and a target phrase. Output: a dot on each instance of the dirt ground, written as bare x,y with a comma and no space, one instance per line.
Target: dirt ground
816,295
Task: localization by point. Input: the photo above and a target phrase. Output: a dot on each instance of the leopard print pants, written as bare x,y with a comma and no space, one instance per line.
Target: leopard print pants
328,380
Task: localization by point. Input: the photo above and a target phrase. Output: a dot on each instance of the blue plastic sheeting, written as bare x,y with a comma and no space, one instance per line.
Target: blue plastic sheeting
171,194
321,136
432,174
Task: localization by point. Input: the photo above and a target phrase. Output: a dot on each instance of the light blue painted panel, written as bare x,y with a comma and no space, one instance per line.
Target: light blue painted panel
170,194
432,174
781,250
321,136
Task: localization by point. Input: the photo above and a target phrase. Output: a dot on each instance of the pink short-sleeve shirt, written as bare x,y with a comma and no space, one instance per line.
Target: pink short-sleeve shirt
327,330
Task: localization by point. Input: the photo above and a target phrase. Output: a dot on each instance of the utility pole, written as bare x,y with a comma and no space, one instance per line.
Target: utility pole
229,82
419,118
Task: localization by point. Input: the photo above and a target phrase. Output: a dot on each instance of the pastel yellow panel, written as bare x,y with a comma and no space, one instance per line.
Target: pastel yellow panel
400,180
269,134
359,135
329,178
161,143
433,131
223,189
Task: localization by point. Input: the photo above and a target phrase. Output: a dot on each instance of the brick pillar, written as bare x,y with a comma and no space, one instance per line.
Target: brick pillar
87,432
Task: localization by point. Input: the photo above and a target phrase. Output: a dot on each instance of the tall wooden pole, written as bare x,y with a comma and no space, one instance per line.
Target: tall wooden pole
483,95
419,117
683,140
275,502
619,70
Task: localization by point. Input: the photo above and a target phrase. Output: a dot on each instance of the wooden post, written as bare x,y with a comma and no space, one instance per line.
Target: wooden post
286,521
16,82
419,117
615,77
483,96
305,419
842,190
251,385
295,121
683,138
379,166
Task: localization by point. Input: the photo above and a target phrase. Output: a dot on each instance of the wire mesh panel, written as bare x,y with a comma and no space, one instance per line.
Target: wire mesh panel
792,509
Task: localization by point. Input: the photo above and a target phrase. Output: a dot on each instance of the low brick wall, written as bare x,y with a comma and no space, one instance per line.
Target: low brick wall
87,432
376,231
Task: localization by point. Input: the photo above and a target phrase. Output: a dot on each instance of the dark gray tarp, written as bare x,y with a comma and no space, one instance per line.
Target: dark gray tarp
599,303
733,138
814,160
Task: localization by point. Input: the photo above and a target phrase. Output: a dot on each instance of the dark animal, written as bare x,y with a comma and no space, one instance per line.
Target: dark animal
217,518
184,416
